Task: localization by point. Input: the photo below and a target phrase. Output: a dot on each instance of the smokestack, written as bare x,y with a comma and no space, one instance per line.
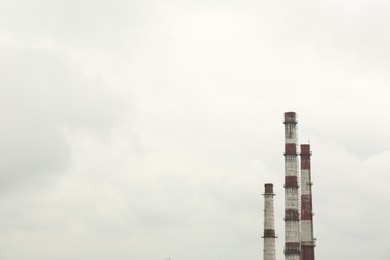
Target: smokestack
307,239
269,229
292,246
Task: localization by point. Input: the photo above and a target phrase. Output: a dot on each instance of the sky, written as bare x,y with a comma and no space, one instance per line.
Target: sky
145,130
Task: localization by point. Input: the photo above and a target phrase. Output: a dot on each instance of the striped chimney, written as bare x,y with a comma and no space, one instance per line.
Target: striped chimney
307,239
292,239
269,228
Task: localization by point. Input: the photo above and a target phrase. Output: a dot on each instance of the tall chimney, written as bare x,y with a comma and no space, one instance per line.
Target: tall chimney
292,239
307,239
269,228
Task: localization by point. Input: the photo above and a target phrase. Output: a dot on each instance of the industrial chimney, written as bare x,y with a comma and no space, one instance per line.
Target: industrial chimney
307,239
292,239
269,228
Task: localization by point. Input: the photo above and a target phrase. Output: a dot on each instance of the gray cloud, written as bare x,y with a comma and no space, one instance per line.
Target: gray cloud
44,95
165,119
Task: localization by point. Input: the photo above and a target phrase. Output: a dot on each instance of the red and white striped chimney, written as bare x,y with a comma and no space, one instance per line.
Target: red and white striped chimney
292,238
269,226
307,239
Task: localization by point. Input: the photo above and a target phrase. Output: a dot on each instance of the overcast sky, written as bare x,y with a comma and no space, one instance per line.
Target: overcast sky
143,130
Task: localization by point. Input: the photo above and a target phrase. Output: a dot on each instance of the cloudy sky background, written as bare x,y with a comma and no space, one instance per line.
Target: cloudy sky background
145,130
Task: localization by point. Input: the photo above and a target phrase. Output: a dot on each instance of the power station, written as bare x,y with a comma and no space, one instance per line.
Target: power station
299,240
